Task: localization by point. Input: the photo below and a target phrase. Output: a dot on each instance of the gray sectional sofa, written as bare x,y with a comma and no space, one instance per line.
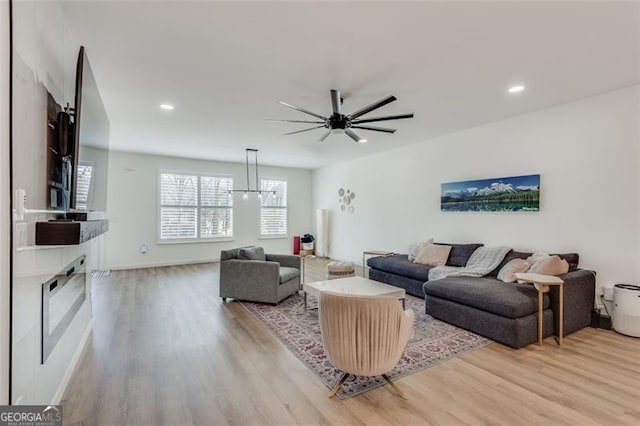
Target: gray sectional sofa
504,312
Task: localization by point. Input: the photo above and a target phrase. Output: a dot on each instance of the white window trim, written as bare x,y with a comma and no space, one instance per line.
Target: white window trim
262,236
195,241
276,237
198,240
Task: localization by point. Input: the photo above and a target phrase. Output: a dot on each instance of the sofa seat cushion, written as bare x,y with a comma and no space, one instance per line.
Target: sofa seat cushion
399,264
287,274
509,300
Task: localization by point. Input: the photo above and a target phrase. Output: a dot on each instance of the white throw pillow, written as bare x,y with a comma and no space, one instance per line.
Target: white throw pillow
433,255
415,248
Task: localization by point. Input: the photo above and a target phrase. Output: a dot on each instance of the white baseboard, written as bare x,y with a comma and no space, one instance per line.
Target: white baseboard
72,365
340,259
356,263
161,264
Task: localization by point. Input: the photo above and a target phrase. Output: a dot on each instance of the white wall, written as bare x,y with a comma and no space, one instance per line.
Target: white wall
132,208
44,59
585,151
5,193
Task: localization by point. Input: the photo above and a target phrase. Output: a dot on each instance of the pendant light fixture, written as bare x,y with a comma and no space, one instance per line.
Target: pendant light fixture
248,190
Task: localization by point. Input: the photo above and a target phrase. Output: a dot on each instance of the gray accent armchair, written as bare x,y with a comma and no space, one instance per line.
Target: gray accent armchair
266,281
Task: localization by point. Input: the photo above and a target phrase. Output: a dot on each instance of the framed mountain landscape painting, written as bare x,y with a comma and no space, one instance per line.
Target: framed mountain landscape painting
506,194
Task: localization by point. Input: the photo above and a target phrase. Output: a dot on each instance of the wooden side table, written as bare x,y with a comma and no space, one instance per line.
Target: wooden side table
542,283
372,253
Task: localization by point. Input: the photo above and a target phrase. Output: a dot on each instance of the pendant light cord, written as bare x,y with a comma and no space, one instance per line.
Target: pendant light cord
257,189
246,155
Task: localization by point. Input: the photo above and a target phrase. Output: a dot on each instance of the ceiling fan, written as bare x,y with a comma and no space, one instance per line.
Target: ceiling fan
339,123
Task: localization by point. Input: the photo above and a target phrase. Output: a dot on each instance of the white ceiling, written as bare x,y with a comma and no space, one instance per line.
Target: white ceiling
224,65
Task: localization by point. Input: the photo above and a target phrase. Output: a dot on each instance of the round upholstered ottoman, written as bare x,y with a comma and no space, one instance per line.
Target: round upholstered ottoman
340,270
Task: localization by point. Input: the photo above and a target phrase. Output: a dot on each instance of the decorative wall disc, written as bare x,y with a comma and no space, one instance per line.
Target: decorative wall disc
345,199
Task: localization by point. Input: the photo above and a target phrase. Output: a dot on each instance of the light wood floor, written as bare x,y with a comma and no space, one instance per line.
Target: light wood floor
166,350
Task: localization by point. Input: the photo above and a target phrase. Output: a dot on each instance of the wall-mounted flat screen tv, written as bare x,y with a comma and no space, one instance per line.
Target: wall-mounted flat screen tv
91,156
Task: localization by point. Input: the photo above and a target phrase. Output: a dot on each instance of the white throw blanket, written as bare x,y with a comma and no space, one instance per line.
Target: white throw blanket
481,262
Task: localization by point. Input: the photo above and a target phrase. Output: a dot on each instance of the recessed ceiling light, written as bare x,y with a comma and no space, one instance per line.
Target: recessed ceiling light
516,89
168,107
362,141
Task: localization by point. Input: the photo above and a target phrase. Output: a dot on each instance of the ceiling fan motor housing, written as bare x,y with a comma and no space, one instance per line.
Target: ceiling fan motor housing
338,121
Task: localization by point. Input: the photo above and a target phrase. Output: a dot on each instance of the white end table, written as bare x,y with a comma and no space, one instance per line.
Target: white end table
542,283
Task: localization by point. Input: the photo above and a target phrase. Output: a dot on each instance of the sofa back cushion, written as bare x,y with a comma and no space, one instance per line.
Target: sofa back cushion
571,258
230,254
460,253
252,253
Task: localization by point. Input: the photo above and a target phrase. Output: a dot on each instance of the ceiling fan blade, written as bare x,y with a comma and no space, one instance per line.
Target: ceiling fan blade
303,130
353,135
302,110
372,106
335,101
294,121
326,135
375,129
388,117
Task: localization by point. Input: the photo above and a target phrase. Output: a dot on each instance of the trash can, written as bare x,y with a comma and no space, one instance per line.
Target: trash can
626,309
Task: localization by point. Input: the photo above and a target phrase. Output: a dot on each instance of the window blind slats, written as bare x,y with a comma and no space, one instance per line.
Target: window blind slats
178,190
193,206
279,199
178,222
215,191
273,221
83,186
273,207
216,222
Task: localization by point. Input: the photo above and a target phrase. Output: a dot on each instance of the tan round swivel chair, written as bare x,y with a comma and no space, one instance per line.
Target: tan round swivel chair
363,335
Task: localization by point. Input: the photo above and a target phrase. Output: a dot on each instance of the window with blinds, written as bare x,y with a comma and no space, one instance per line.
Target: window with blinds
195,206
83,185
273,207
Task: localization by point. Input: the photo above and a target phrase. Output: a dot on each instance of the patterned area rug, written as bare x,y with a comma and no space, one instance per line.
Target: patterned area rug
434,341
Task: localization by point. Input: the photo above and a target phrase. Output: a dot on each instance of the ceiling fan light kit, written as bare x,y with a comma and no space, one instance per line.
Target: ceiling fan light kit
339,123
